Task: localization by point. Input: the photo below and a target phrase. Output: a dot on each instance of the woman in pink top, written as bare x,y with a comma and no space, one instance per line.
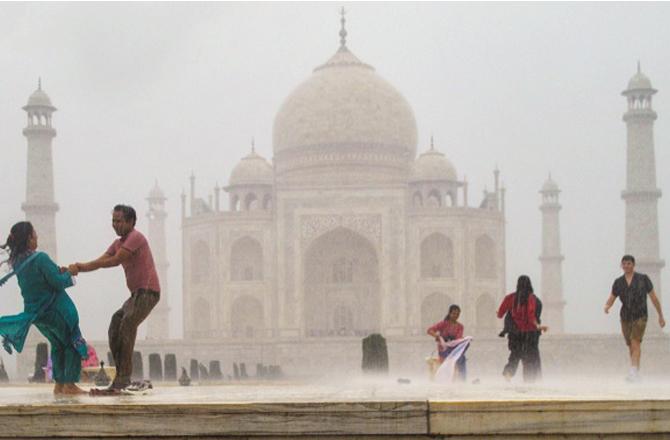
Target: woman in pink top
448,330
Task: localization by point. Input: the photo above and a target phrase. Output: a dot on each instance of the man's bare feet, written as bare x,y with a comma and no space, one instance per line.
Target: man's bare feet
72,389
58,389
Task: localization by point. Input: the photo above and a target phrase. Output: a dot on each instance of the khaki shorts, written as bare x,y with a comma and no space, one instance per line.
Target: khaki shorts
633,329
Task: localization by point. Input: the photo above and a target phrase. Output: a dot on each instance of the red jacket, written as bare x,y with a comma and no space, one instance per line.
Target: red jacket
523,315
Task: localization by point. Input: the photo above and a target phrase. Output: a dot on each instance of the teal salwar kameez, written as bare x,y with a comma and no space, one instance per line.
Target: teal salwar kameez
48,306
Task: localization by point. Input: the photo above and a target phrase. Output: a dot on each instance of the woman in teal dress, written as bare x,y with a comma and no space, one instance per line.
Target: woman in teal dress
46,305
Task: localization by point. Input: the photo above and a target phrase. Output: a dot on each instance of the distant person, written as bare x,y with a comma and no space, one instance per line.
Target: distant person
632,289
46,305
131,250
522,326
92,360
447,331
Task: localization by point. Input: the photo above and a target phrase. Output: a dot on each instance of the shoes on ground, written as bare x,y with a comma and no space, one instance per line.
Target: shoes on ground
139,386
633,377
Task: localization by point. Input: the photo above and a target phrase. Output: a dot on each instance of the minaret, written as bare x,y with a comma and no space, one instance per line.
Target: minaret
551,259
641,194
158,321
40,207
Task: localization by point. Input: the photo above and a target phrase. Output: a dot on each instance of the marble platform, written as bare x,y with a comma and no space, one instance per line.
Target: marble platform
363,408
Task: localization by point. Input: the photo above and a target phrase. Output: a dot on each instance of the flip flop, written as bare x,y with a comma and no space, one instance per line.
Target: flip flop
105,392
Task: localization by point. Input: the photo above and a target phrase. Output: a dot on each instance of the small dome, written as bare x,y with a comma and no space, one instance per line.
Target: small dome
39,98
639,82
550,186
156,192
433,165
252,169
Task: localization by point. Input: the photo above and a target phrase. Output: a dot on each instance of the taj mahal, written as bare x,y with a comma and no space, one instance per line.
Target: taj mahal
346,232
354,226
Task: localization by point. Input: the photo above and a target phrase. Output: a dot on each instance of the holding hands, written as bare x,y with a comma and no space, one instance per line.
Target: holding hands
72,268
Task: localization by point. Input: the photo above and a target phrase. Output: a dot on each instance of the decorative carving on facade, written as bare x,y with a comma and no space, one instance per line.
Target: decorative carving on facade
236,234
368,225
426,232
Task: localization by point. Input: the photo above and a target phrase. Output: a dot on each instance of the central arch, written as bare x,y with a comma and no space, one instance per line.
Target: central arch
341,285
247,317
437,256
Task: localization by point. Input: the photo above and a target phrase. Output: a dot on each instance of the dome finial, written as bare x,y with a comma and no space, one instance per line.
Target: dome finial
343,31
432,145
638,66
39,83
253,145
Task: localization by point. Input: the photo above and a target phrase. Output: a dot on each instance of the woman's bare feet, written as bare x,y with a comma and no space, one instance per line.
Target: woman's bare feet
72,389
58,389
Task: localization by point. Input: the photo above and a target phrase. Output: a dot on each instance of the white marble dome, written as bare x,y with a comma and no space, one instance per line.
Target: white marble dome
252,169
344,102
550,185
639,82
39,98
431,166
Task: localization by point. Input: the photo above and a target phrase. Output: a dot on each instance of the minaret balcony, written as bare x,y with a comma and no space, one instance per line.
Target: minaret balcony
641,194
39,130
646,263
40,208
551,258
643,114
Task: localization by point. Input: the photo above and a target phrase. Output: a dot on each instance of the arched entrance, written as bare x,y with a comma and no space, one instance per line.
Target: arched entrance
246,260
341,286
247,318
437,256
434,308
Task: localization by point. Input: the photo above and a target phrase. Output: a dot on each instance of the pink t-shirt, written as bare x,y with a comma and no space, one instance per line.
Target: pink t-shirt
447,330
139,268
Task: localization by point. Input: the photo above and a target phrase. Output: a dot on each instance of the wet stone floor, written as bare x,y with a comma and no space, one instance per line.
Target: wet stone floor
359,390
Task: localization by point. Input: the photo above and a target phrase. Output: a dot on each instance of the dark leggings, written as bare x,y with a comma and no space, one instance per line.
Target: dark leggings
524,347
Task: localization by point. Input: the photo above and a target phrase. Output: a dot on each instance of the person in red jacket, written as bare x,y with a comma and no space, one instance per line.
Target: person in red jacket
523,338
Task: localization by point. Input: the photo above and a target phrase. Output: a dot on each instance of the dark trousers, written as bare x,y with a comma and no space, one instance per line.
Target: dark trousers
461,369
524,347
123,331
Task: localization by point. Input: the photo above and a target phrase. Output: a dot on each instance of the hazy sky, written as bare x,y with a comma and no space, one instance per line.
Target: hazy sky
153,91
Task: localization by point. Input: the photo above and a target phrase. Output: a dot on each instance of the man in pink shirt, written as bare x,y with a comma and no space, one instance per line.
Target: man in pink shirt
131,250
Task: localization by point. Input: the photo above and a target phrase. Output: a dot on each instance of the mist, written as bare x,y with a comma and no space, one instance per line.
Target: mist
152,92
